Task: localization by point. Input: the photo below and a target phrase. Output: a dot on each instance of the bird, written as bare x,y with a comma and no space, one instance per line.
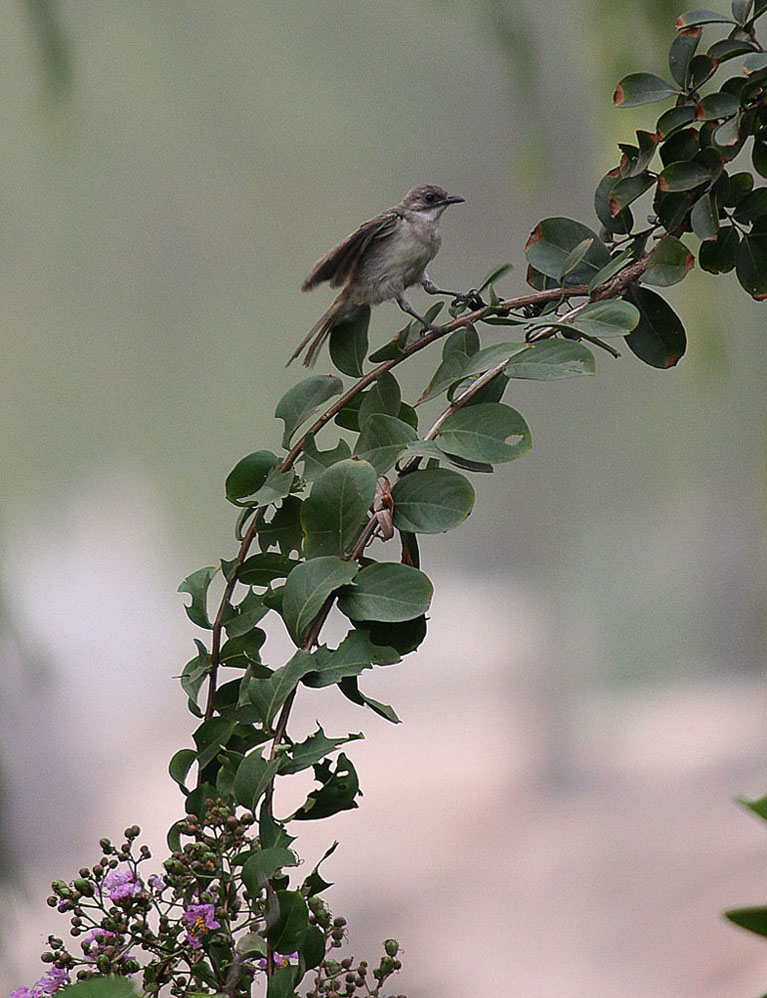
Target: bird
379,261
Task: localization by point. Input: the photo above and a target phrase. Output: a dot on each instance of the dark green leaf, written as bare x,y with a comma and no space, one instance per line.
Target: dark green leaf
382,440
575,256
611,269
254,774
702,68
303,399
384,396
682,145
751,265
387,592
280,984
270,832
103,987
669,263
284,528
736,188
194,674
694,17
180,765
705,218
659,339
355,654
211,736
249,474
314,883
277,485
741,10
752,207
339,788
720,105
754,919
479,433
251,944
404,636
683,176
352,692
674,119
672,208
288,932
758,806
729,48
728,133
261,866
349,341
268,695
431,501
552,240
755,63
196,585
623,221
394,349
307,588
316,461
628,190
642,88
313,950
262,569
717,256
337,508
613,317
681,52
759,157
311,750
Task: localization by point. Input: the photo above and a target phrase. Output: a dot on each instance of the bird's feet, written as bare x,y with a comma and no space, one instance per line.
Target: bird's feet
472,298
428,327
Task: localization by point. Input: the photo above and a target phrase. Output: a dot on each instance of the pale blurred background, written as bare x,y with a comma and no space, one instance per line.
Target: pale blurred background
555,814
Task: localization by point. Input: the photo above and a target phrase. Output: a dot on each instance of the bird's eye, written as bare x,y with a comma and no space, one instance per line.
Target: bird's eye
431,198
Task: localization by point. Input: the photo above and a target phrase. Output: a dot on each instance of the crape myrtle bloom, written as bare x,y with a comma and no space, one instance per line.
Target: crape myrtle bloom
199,918
156,883
121,885
52,981
279,960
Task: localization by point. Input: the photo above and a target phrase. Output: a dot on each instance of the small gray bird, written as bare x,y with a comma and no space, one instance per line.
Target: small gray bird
379,260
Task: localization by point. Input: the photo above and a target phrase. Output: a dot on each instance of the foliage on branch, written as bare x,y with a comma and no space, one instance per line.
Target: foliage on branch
335,526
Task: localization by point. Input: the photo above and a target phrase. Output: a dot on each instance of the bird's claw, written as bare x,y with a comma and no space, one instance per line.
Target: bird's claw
472,298
428,327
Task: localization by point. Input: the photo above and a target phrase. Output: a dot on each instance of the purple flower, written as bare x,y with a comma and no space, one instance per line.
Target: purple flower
21,993
121,885
53,980
279,960
156,883
199,919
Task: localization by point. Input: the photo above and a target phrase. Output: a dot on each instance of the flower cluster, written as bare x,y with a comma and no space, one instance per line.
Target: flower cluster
53,980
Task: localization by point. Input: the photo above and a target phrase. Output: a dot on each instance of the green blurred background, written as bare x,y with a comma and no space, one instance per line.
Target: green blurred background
170,171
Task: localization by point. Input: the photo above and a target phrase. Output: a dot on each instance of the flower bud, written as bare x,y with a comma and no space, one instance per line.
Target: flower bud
391,946
47,957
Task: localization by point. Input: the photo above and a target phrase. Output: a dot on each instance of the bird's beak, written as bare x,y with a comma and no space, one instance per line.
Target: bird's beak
454,199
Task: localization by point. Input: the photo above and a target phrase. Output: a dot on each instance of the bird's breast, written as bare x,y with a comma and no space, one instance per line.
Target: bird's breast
397,262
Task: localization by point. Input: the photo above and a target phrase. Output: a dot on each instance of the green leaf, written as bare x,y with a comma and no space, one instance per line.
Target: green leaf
268,695
102,987
251,944
457,366
751,265
349,341
280,984
277,486
682,145
672,208
611,269
720,105
728,133
683,176
681,52
284,528
659,339
741,10
553,239
254,774
352,692
287,933
702,68
623,221
382,440
249,474
758,806
705,218
356,653
669,263
384,396
642,88
316,461
304,399
754,919
262,569
674,119
194,674
575,256
314,884
307,588
311,750
627,191
755,63
603,319
196,585
336,510
387,592
261,866
759,157
479,433
180,765
431,501
210,737
313,950
339,788
729,48
717,256
752,207
404,636
243,649
695,17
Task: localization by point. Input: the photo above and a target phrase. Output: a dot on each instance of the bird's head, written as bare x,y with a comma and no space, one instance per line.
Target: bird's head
429,200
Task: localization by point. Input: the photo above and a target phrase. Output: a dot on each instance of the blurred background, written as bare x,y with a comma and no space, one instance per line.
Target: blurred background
562,821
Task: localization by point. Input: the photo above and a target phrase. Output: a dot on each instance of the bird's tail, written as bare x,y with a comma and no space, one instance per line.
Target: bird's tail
321,330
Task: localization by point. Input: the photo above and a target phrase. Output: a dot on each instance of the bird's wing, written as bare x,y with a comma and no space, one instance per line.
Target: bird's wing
337,265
